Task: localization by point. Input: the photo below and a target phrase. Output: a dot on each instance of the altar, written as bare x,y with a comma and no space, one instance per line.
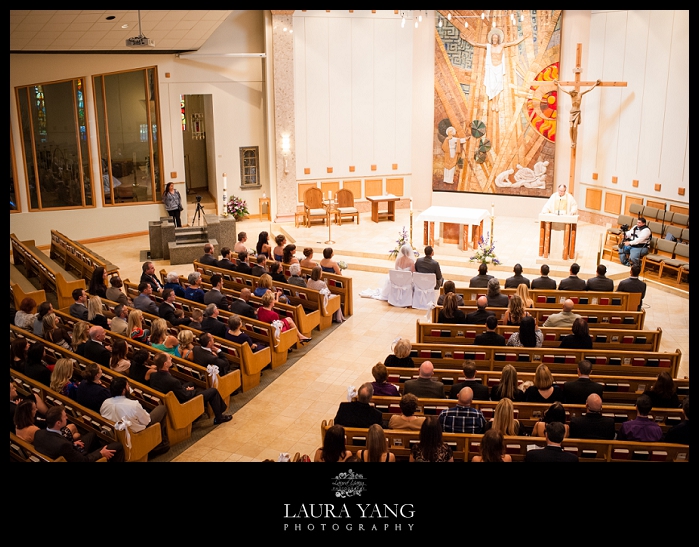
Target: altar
467,220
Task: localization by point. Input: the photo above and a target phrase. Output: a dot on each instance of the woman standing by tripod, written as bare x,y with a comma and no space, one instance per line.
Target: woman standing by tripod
173,203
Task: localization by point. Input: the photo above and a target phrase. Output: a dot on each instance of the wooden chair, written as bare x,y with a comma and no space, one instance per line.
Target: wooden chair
660,250
680,262
345,206
313,206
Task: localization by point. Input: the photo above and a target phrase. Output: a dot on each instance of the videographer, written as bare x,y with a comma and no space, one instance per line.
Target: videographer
635,243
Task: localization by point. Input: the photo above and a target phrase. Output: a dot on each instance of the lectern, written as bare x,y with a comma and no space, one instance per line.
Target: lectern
571,226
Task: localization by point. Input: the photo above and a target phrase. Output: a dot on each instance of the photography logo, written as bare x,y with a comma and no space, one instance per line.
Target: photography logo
348,484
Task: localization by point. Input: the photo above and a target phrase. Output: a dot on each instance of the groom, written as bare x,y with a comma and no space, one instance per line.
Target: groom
426,264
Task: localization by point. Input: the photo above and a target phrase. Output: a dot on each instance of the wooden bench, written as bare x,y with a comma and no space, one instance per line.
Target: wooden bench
22,451
602,338
612,362
22,288
77,258
466,445
52,276
338,284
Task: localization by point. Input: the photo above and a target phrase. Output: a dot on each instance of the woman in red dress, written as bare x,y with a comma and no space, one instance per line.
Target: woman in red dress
267,315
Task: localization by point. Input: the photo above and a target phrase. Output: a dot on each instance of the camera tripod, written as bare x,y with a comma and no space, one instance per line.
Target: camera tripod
197,213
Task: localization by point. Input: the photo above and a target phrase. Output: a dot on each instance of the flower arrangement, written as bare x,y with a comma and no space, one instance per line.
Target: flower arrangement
342,265
237,207
485,252
403,239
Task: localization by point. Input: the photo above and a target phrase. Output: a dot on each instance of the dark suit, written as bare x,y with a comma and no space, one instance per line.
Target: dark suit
242,308
94,351
478,317
592,426
92,395
598,283
489,338
480,392
244,268
214,296
515,281
55,445
209,260
632,284
572,283
424,387
213,326
226,264
165,382
39,372
550,454
577,391
480,281
152,281
145,303
356,414
79,311
543,282
167,312
258,270
204,358
426,264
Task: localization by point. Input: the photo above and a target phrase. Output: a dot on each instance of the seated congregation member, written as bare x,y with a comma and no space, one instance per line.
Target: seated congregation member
376,447
141,369
95,348
431,448
243,266
55,332
62,379
18,353
528,336
523,293
450,287
95,313
267,315
504,419
185,341
169,312
481,280
407,419
632,284
333,449
328,264
162,380
211,324
359,413
490,337
592,425
679,433
35,367
275,271
480,392
240,244
161,340
577,391
508,387
278,251
462,418
564,318
208,257
515,310
205,354
173,282
235,333
544,282
143,301
380,384
25,316
479,316
120,407
543,390
115,292
307,260
50,441
265,285
517,279
495,298
580,339
553,452
425,385
401,355
663,394
197,316
225,260
119,362
554,413
451,313
572,282
492,448
295,278
91,391
78,308
263,247
120,321
135,327
98,285
600,282
194,292
148,276
240,305
25,420
80,336
41,311
214,295
289,255
260,267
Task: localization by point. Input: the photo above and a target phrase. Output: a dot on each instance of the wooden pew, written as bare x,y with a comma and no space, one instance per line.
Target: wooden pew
633,320
22,451
602,338
22,288
338,284
51,275
466,445
76,258
610,362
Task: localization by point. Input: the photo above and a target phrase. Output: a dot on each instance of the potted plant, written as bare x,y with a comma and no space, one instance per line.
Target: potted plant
237,207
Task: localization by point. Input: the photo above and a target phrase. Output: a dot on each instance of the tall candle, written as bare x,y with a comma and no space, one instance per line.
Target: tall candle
411,204
224,182
492,209
330,194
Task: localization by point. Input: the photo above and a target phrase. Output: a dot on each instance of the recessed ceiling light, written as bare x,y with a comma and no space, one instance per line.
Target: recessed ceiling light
111,17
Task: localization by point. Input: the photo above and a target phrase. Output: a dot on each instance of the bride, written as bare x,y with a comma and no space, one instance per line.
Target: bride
405,262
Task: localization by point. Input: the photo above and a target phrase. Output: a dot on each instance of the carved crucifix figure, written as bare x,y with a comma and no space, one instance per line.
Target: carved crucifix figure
575,117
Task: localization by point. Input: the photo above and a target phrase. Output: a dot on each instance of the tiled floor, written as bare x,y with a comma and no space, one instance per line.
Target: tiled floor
286,415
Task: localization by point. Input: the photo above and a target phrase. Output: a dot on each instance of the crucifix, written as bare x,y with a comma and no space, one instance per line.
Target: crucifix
575,114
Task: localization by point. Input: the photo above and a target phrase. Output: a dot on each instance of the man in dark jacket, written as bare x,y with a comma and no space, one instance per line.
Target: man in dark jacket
479,316
359,413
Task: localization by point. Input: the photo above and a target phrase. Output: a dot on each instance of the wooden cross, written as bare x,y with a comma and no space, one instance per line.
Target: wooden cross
575,110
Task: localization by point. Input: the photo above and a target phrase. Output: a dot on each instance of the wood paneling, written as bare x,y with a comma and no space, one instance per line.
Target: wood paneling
679,209
329,186
305,186
450,232
394,186
373,187
627,204
612,203
657,204
354,186
593,199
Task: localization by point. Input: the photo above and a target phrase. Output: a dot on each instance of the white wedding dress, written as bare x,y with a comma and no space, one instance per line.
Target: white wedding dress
404,263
